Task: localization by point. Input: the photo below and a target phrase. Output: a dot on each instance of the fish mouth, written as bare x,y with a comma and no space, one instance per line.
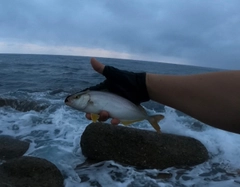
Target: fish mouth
67,100
67,103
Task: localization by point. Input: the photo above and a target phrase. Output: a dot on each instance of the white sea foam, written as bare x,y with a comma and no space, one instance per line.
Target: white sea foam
55,135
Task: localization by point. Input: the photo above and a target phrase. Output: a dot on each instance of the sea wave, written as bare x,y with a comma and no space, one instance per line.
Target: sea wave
32,108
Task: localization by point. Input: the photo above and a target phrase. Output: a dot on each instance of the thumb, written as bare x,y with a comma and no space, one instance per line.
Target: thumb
97,66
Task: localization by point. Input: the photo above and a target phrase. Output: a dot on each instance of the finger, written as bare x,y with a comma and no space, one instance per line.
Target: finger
97,66
88,116
115,121
103,116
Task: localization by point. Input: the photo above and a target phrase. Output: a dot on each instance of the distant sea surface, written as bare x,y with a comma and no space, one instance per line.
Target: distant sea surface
35,87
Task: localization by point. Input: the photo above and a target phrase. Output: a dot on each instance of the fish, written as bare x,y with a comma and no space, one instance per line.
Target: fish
117,106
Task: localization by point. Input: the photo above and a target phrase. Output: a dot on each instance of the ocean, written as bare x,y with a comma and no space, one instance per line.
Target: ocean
35,87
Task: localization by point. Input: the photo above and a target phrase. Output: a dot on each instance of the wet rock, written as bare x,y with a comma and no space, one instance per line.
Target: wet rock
30,171
23,105
140,148
11,147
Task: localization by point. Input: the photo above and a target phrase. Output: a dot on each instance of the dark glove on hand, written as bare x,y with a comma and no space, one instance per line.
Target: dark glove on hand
127,84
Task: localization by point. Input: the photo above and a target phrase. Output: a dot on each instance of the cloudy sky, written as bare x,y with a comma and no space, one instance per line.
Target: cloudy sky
195,32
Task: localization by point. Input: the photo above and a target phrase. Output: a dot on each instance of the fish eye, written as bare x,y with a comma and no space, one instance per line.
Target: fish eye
77,96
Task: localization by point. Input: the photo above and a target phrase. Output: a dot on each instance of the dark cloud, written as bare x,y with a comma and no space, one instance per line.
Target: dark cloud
206,33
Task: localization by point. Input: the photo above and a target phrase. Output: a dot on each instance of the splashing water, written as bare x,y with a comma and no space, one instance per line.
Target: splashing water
35,112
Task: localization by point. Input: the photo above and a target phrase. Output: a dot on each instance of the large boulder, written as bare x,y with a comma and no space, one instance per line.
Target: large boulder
140,148
11,147
30,171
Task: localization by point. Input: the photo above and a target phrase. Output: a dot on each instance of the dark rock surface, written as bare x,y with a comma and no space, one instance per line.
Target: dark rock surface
140,148
23,105
11,147
30,172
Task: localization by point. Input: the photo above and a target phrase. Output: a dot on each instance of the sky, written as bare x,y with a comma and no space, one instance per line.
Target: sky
193,32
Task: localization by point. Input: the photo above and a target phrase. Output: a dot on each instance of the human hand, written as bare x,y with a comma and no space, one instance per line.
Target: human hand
103,116
127,84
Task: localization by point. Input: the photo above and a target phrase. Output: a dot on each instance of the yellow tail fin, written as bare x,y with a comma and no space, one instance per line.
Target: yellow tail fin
153,120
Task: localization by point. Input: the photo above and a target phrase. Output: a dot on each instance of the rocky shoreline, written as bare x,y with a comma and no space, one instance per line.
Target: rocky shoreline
100,142
21,171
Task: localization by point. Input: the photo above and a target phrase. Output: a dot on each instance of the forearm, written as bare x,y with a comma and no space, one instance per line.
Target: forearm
213,98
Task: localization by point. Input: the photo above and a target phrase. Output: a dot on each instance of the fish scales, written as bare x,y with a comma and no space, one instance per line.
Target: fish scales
118,107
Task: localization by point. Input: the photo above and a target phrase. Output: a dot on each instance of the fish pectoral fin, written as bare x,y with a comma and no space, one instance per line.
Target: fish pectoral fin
153,120
129,122
94,117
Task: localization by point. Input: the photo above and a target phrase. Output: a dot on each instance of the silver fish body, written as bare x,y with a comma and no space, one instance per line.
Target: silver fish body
118,107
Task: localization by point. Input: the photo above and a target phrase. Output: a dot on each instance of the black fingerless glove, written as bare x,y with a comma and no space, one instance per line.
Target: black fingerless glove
127,84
